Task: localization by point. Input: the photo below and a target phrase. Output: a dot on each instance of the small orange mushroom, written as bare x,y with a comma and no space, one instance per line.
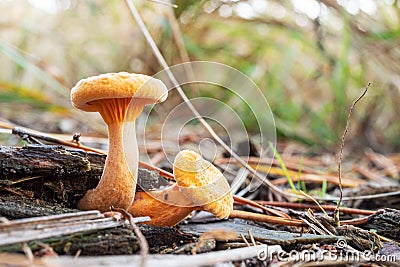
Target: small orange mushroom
200,186
111,94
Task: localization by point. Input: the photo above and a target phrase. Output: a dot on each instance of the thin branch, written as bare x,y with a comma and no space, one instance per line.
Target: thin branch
22,131
251,237
245,215
315,201
242,200
311,206
244,239
356,221
144,246
336,212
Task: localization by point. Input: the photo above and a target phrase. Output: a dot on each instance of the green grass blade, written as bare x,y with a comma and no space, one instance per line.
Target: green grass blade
283,166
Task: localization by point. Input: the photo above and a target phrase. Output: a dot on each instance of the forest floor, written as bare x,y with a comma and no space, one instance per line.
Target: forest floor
42,183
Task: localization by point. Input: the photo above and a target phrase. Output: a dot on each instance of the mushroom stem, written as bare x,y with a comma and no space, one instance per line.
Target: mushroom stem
110,191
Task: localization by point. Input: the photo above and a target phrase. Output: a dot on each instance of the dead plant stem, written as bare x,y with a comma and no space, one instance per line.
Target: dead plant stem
336,212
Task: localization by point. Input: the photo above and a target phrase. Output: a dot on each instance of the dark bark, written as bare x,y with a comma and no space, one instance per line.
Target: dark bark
18,207
49,173
386,222
54,174
49,180
114,241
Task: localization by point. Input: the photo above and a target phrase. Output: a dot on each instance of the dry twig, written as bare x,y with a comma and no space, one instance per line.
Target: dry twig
144,246
265,218
310,206
243,200
336,212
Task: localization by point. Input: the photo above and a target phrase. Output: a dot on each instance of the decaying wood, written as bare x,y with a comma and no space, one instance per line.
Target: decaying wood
206,259
28,229
386,222
52,173
113,241
260,234
359,238
87,232
16,207
49,180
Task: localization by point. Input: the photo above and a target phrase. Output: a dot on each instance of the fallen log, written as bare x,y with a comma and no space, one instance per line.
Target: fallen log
85,233
55,174
50,180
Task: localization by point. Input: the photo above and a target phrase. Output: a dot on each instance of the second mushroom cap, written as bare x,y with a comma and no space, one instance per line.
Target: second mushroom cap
203,183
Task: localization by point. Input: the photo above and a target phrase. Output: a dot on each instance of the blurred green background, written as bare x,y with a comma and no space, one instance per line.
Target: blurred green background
310,58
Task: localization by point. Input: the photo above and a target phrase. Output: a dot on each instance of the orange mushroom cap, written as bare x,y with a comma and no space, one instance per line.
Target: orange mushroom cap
114,86
203,183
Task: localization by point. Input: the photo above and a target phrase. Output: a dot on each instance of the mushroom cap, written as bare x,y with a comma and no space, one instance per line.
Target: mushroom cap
161,213
117,85
203,183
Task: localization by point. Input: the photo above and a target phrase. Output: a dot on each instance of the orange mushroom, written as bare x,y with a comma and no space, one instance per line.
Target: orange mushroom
199,186
110,95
